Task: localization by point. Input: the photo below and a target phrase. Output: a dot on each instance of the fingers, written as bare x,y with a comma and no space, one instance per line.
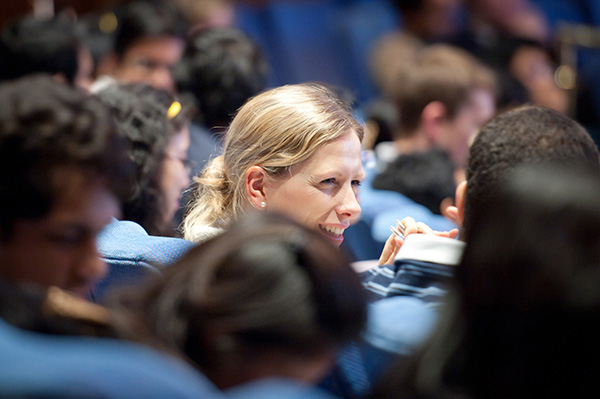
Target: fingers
390,249
413,227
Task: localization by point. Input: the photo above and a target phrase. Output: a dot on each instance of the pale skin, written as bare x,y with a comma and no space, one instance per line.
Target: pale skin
321,193
453,212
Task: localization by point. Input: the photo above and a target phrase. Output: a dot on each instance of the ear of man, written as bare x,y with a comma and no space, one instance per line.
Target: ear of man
432,117
456,213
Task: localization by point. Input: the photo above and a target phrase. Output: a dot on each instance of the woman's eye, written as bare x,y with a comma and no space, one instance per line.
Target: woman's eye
329,181
356,183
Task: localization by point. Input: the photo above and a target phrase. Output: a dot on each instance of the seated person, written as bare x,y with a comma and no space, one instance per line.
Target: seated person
443,95
267,309
64,170
519,322
155,127
528,135
220,69
148,43
425,177
29,45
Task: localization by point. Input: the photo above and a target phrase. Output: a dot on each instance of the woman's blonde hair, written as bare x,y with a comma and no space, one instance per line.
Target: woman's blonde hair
276,130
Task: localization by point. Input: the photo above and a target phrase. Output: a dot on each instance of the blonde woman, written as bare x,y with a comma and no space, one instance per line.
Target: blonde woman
296,150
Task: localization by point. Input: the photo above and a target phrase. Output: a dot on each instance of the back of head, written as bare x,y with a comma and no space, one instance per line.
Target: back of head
147,19
45,126
276,130
145,119
528,135
440,73
221,68
283,288
29,45
425,177
529,287
521,319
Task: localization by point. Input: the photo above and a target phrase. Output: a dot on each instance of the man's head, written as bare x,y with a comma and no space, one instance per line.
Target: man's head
221,68
62,168
525,136
149,41
444,96
29,45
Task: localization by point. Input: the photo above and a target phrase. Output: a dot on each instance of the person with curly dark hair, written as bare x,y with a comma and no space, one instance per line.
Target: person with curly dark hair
155,126
62,171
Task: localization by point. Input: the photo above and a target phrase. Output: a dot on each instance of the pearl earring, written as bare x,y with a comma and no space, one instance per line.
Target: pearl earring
263,204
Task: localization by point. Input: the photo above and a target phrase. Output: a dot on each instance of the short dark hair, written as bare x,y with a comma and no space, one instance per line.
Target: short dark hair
140,112
29,45
221,68
425,177
527,280
45,125
147,18
439,72
528,135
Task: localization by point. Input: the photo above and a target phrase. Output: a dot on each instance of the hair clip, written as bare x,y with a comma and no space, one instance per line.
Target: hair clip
108,22
174,110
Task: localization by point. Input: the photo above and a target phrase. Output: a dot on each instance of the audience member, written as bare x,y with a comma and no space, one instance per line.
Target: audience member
63,171
528,135
514,39
155,127
279,305
149,41
221,69
424,177
31,45
294,149
520,322
444,96
286,148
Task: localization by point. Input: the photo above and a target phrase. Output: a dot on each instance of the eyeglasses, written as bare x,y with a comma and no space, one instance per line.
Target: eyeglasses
188,164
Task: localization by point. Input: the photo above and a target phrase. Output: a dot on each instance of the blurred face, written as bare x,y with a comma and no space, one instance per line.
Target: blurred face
85,66
59,249
151,60
175,173
321,192
459,132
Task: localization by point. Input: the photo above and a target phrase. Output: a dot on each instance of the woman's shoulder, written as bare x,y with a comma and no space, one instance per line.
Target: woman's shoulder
201,233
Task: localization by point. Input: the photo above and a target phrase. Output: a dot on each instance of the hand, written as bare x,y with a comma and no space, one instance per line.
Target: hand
390,249
413,227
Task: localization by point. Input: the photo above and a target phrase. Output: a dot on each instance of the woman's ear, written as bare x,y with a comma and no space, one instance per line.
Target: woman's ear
256,178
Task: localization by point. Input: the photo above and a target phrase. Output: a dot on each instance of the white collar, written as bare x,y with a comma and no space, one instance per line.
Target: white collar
430,248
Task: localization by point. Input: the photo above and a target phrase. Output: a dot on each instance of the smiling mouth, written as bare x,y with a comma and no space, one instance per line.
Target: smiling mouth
335,232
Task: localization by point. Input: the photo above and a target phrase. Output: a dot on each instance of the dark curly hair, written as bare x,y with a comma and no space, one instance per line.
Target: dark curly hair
527,135
140,112
44,126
